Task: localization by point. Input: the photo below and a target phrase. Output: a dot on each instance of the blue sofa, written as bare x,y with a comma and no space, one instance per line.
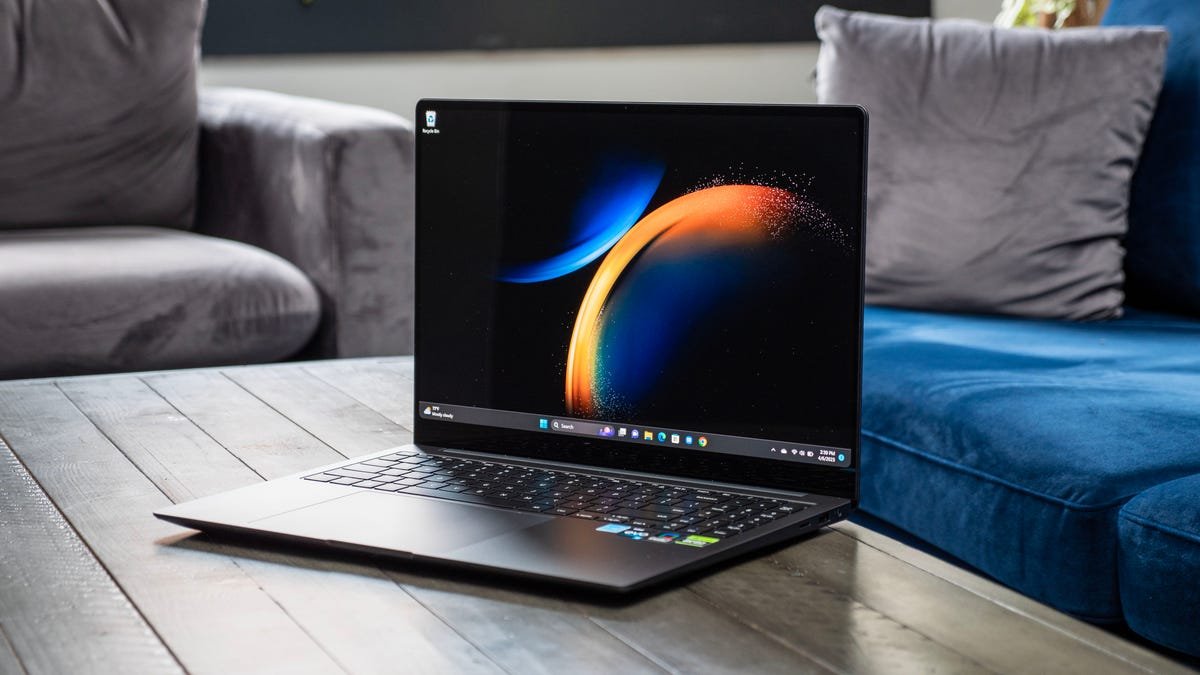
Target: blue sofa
1063,458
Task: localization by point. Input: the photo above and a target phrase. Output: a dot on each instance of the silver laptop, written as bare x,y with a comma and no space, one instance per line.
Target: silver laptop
638,346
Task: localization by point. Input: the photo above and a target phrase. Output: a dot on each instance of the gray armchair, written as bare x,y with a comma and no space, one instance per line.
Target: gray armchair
145,225
328,187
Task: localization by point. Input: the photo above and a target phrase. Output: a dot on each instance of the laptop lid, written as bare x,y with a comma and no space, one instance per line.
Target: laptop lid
664,288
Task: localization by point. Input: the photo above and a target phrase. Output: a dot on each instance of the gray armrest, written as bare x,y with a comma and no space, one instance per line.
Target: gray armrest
328,187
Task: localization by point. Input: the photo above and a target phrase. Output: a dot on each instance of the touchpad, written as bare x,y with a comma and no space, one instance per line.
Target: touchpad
417,525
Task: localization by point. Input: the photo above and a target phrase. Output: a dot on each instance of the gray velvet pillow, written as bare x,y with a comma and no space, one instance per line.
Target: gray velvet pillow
1000,159
98,112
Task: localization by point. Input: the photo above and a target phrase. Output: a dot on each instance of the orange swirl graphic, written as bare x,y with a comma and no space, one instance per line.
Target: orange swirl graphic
714,217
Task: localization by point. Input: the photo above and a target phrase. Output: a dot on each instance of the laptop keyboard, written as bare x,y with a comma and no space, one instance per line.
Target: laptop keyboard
613,500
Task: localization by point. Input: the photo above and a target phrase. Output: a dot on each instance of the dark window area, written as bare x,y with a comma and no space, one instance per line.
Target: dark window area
325,26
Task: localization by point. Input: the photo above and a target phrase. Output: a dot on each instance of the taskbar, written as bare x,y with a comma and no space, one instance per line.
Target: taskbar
632,433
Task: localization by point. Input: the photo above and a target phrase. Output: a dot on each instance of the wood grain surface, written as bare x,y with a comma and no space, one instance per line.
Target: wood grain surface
54,593
91,582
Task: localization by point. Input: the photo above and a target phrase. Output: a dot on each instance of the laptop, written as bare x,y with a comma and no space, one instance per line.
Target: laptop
638,347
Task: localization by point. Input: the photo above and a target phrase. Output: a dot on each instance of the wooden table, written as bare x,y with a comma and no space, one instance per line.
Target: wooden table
90,582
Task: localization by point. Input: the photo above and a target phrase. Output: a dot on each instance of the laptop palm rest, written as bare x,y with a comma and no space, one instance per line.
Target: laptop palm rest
415,525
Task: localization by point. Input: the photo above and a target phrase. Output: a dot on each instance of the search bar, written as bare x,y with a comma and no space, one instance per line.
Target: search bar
582,428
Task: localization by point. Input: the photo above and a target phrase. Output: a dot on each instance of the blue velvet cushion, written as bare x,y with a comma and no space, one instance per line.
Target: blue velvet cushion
1013,443
1163,244
1159,563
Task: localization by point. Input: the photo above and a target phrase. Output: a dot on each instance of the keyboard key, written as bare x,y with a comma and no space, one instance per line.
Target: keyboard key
348,473
643,515
460,497
362,466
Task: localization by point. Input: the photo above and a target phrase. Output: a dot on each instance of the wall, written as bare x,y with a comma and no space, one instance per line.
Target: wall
732,73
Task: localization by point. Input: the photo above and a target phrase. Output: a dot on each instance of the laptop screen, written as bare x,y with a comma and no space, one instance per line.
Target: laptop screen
642,286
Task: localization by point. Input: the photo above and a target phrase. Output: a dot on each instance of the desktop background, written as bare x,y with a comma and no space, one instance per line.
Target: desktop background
694,272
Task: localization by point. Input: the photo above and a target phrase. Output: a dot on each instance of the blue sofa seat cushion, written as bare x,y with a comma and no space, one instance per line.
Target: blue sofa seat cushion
1159,563
103,299
1013,443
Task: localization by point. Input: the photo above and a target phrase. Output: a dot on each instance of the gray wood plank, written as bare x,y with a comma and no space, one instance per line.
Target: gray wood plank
247,428
59,609
9,663
212,615
385,386
362,619
338,420
529,635
964,622
967,611
674,630
680,629
360,616
789,603
157,438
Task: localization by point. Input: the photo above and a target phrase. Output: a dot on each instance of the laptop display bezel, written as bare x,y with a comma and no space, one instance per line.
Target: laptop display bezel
613,454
